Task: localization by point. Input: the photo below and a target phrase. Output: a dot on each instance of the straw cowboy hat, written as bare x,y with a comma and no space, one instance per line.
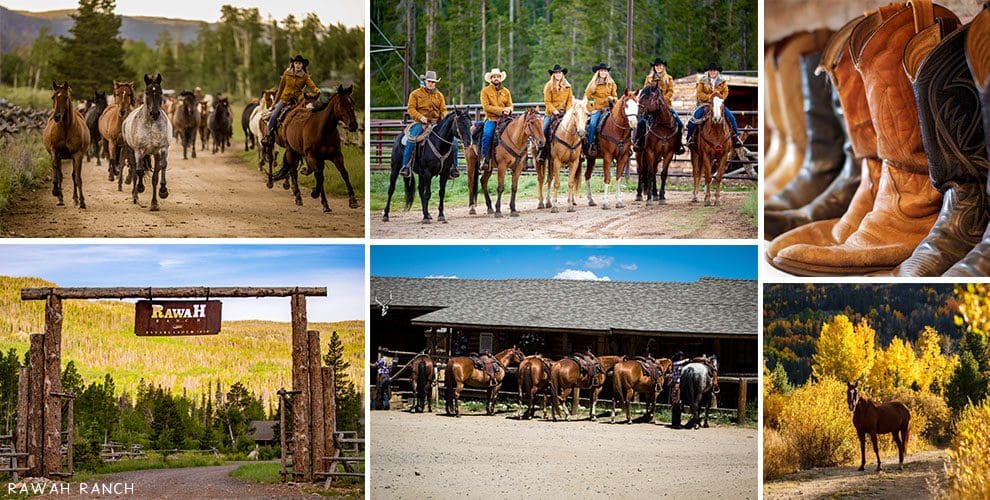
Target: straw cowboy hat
556,68
493,72
430,76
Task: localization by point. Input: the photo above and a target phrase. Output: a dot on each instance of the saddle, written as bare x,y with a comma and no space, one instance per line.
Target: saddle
487,364
649,366
593,149
551,133
589,366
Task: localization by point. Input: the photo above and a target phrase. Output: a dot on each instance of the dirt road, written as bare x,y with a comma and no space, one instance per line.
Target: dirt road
920,469
477,456
679,218
209,196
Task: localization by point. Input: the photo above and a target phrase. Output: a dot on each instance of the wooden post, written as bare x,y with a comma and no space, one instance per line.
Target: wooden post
52,422
281,432
316,400
36,408
69,428
23,387
575,405
301,452
741,416
329,412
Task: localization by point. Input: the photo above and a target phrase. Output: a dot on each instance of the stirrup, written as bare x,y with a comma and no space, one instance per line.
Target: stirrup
453,173
406,171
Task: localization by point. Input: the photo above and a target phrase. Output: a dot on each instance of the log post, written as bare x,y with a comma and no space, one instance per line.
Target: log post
23,388
281,432
741,416
36,407
71,402
301,452
329,412
316,400
576,404
52,422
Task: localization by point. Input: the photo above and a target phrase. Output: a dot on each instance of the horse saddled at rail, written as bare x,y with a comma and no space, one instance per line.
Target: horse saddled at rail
615,142
309,132
579,372
873,418
97,146
185,120
423,378
639,375
697,386
534,379
486,372
66,136
509,150
564,150
111,126
148,133
661,141
710,153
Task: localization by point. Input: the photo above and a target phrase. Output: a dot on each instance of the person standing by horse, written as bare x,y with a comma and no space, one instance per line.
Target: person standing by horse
557,98
426,105
712,85
600,92
496,101
659,79
290,88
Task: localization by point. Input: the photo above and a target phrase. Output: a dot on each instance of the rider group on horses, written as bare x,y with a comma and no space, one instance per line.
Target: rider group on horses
496,102
426,105
662,81
600,92
709,86
294,79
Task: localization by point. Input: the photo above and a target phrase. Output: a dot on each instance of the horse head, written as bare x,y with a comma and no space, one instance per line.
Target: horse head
345,106
717,108
630,107
61,100
267,99
579,113
123,96
852,395
462,125
100,100
517,355
534,125
153,96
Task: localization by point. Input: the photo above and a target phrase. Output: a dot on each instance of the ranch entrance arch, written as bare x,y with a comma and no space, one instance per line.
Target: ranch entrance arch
40,398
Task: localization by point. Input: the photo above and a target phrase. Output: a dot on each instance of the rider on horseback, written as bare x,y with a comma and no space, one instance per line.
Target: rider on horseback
426,104
601,90
557,97
496,101
659,79
290,88
710,85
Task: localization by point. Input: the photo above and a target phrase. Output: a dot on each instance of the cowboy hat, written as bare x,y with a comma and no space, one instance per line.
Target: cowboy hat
300,58
713,66
430,76
556,68
658,61
599,66
493,72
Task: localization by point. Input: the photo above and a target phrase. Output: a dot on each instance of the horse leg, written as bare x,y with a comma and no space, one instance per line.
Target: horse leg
707,170
663,178
696,175
630,393
425,183
77,184
564,394
588,176
442,194
876,449
541,177
862,448
904,440
338,161
57,178
491,403
111,161
484,186
393,176
897,441
501,188
572,174
134,185
718,180
708,408
515,186
593,415
620,168
457,398
320,189
154,183
192,141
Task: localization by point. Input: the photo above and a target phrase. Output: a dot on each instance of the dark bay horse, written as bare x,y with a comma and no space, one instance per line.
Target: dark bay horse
186,121
423,376
220,123
871,418
534,379
510,153
659,145
148,133
310,133
204,128
97,146
66,136
461,371
434,157
614,143
697,386
112,127
629,379
566,375
249,139
565,150
710,152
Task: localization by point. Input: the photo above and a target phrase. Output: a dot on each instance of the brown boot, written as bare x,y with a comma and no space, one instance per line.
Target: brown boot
772,118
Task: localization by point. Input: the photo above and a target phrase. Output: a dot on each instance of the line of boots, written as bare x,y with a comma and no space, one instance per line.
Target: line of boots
892,178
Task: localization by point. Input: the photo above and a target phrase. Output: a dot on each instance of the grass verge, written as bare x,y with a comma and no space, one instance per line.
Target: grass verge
23,165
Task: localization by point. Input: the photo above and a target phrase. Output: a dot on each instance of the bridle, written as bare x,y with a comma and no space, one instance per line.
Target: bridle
570,147
433,133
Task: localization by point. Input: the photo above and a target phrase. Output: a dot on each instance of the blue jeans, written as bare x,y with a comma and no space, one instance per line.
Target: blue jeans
546,124
415,130
700,112
593,125
486,138
277,110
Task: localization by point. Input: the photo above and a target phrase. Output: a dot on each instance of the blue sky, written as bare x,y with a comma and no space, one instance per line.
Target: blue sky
340,268
617,263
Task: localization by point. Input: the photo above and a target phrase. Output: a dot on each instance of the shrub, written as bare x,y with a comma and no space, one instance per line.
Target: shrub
968,468
815,421
930,416
779,456
773,404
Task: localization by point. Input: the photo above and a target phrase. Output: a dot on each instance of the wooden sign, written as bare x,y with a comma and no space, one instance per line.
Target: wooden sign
166,318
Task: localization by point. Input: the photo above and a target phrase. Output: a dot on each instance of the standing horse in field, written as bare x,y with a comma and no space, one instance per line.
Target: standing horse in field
710,153
249,138
66,137
423,376
565,376
614,143
509,152
220,124
534,378
659,145
871,418
259,128
435,155
96,143
111,128
565,150
643,376
697,387
186,121
148,133
461,371
310,133
204,124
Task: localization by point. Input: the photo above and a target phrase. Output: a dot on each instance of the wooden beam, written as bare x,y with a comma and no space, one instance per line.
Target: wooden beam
169,292
741,415
23,388
52,423
301,452
316,401
329,411
36,406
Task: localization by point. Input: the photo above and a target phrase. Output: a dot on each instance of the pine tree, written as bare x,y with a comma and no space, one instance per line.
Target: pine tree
93,55
349,404
71,380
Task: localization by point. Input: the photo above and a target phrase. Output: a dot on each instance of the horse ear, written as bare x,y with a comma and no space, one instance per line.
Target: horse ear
147,79
158,78
54,85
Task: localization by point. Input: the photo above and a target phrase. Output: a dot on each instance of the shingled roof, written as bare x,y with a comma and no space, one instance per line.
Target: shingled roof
708,306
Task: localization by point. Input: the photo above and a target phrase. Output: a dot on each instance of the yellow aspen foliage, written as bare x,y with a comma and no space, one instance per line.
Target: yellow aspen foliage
894,366
843,351
974,309
968,468
933,366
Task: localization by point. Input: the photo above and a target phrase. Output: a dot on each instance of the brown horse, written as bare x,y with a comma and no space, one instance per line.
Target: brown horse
66,136
509,153
185,118
461,371
565,149
423,376
629,379
204,127
112,129
710,153
566,375
534,378
614,143
871,418
659,145
310,133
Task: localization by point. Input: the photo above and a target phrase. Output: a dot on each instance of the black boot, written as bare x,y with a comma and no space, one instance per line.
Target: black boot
948,101
680,145
406,170
453,174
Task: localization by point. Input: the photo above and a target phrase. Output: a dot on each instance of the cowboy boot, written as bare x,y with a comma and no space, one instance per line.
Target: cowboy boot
823,159
454,173
851,93
906,204
952,132
773,129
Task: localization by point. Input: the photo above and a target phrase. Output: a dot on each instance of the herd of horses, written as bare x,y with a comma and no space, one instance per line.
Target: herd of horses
136,131
523,135
538,376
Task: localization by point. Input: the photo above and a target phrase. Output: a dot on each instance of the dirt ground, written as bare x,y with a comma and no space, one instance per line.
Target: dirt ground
679,218
478,456
921,470
210,196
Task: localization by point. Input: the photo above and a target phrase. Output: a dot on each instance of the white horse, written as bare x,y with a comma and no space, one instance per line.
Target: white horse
148,132
262,112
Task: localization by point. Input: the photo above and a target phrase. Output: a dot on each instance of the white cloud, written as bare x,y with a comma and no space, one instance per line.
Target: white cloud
577,274
441,277
598,262
628,267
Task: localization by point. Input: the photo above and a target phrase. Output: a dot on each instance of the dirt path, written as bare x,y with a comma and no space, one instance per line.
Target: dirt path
209,196
679,218
477,456
847,482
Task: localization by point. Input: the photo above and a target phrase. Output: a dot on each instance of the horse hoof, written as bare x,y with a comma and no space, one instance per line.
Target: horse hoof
140,188
708,203
154,207
554,210
427,221
661,201
716,203
861,468
649,203
163,193
285,185
299,202
82,205
619,205
384,218
498,215
513,214
270,184
540,206
472,211
571,209
606,207
326,210
639,197
591,203
352,202
490,211
194,153
110,177
441,218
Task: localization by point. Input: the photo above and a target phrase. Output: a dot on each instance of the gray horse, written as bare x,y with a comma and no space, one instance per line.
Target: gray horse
148,133
697,387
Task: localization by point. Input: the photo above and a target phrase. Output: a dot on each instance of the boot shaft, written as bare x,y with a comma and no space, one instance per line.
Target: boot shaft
978,60
825,134
788,58
850,91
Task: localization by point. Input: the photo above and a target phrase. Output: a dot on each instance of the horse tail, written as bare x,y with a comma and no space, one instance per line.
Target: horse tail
421,381
410,190
526,380
577,174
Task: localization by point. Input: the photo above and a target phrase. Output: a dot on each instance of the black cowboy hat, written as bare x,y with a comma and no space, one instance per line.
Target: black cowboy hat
713,66
679,355
601,66
300,58
658,61
556,68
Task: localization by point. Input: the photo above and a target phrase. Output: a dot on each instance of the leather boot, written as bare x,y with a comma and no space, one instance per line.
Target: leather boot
952,132
774,145
848,85
906,205
823,158
790,100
